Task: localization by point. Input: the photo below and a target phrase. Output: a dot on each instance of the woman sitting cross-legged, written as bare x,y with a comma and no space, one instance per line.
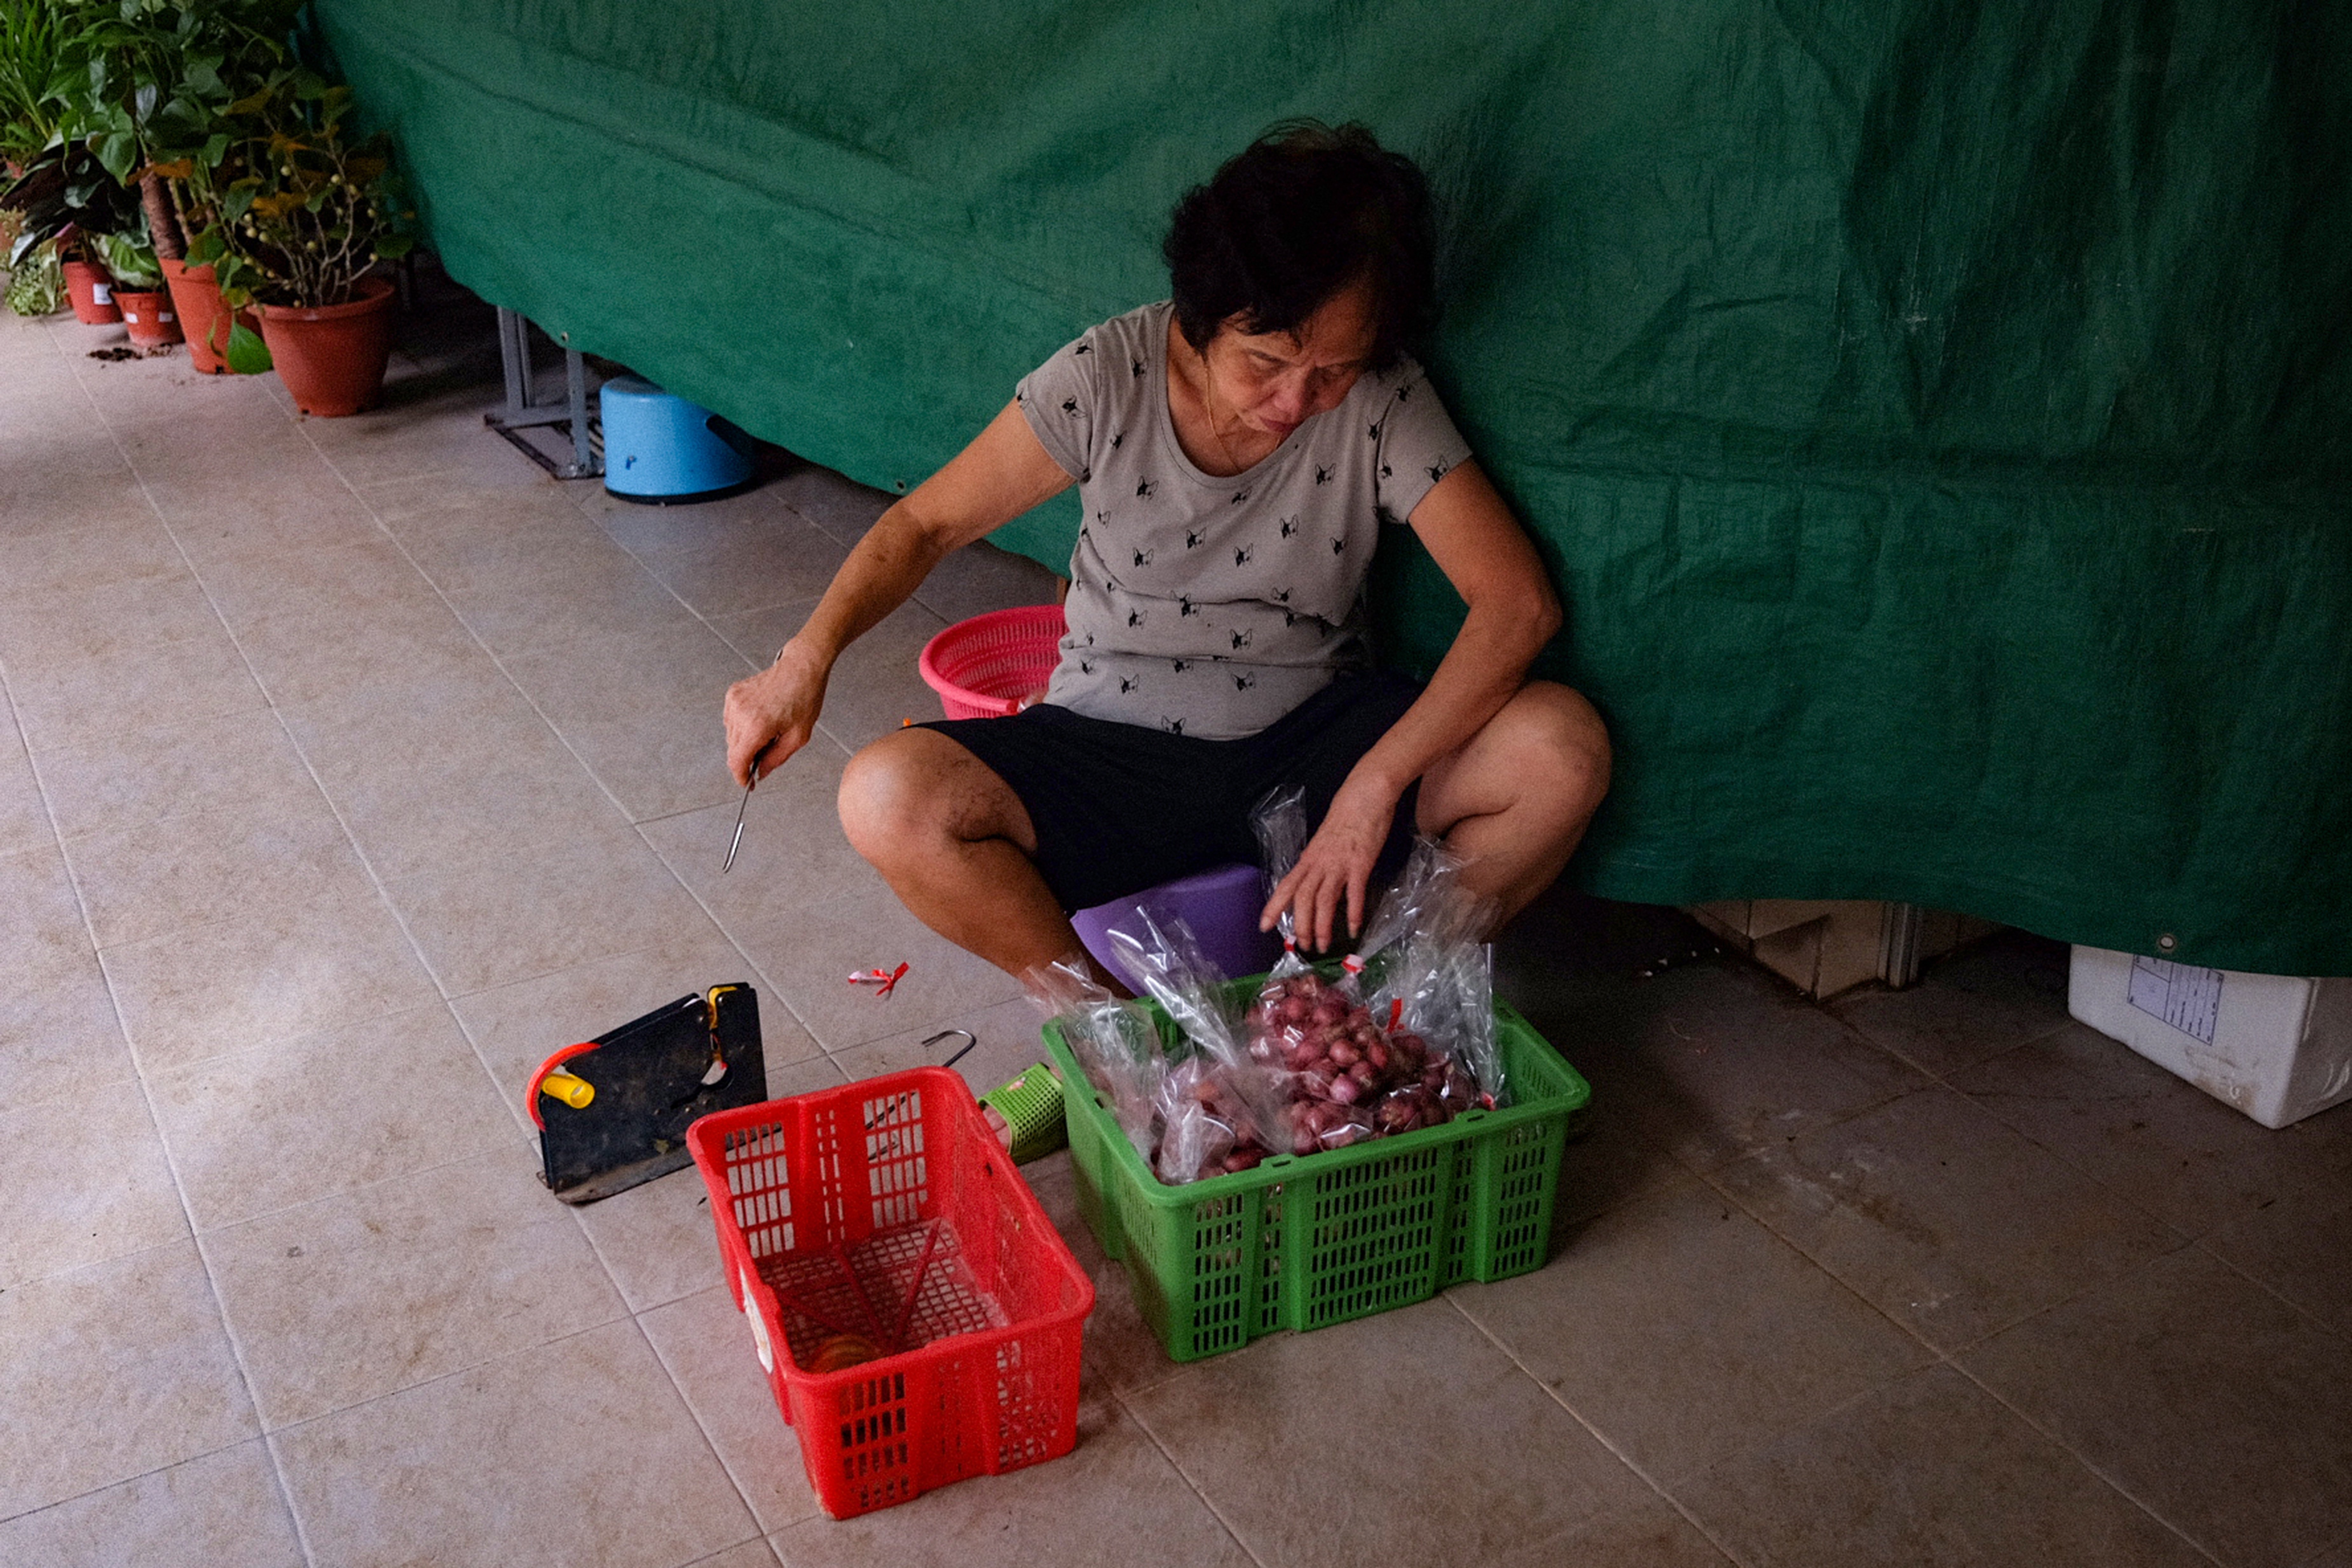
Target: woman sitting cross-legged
1237,449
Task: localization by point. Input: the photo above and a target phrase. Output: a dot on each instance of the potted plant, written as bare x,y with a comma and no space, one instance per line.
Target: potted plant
36,285
139,291
153,94
305,215
35,73
63,198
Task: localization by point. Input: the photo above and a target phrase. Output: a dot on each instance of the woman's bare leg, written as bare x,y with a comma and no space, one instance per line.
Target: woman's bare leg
953,841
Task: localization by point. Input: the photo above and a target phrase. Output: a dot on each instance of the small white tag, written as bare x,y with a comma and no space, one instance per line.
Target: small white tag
101,293
165,316
2181,994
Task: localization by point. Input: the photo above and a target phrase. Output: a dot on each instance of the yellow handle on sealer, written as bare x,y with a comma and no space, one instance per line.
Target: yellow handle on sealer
575,1092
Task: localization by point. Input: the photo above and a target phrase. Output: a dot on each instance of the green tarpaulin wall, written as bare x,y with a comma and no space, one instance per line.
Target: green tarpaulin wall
1937,415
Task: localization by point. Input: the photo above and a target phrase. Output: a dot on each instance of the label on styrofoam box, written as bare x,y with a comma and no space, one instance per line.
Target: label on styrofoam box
2181,994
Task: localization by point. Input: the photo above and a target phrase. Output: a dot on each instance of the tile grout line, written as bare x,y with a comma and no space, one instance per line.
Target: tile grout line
7,700
1707,1177
1950,1358
1577,1416
2090,1467
2198,1239
711,915
128,1480
366,864
760,1528
1944,1081
2334,1330
1940,1080
499,663
709,1444
179,1188
579,1221
1118,1397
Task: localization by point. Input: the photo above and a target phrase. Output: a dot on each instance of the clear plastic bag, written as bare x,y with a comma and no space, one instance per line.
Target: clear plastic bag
1302,1027
1435,992
1115,1041
1222,1109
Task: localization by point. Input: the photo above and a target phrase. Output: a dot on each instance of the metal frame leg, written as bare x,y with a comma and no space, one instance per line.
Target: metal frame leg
521,413
575,388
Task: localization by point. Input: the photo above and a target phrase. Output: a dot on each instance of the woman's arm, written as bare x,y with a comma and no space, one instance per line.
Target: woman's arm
1000,475
1512,613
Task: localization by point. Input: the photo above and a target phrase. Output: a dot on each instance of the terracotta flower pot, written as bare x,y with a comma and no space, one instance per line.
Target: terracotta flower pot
196,298
91,289
331,357
147,314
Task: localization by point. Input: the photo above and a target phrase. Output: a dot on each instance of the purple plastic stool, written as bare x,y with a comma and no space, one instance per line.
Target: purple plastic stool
1219,904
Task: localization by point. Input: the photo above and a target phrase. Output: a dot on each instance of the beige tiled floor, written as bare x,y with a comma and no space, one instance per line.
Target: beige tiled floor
347,767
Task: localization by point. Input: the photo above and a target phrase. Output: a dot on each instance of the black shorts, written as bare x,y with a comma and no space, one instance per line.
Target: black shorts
1120,807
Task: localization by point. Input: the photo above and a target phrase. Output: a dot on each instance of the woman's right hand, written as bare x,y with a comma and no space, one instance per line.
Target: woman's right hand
770,715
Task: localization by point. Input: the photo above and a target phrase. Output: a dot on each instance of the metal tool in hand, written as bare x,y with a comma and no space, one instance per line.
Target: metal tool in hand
736,842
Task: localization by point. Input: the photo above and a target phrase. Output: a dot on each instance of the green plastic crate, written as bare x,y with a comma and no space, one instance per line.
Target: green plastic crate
1305,1241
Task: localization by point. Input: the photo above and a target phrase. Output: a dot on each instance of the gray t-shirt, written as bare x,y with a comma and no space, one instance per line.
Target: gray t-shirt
1211,606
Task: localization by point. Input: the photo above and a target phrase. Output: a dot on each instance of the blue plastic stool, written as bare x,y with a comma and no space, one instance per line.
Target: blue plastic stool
1219,904
662,449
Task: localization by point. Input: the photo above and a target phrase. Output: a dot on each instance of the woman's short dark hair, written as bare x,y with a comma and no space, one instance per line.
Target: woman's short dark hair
1298,215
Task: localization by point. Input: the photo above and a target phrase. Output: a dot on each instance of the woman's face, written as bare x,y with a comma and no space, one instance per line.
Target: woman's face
1277,381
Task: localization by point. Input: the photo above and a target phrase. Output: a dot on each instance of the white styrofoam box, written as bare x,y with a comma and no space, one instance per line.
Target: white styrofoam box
2277,1047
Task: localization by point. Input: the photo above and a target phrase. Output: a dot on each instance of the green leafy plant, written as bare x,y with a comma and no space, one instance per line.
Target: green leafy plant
37,69
37,284
64,197
305,210
131,258
155,83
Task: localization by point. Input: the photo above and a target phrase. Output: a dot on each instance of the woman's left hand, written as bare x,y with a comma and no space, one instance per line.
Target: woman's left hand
1336,866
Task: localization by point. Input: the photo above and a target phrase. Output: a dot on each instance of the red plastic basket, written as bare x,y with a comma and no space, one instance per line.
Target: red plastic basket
983,668
885,1209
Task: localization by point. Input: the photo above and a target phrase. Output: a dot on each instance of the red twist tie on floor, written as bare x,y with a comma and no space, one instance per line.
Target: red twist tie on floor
886,981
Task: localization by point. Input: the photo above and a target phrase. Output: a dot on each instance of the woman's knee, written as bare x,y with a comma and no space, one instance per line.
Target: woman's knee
890,797
913,790
1556,738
